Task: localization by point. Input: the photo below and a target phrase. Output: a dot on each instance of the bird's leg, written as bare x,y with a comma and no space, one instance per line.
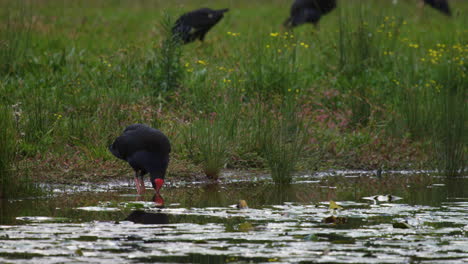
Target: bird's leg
140,185
137,183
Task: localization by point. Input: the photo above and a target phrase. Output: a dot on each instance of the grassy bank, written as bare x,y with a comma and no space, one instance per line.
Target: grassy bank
375,87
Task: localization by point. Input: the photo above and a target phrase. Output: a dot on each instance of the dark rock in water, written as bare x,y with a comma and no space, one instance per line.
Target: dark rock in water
379,173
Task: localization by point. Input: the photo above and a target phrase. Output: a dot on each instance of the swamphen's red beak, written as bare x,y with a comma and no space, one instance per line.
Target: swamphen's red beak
158,183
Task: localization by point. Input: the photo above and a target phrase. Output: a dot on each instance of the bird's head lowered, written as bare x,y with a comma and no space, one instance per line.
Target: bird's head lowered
214,16
157,184
114,150
157,179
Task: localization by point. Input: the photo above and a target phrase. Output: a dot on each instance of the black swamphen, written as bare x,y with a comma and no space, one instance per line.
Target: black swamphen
194,25
441,5
147,151
308,11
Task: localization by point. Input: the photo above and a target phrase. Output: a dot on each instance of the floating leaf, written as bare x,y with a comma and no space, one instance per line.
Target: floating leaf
311,237
402,225
335,220
245,227
335,206
242,204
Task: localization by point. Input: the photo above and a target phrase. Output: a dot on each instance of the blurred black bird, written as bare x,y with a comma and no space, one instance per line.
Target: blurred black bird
147,151
441,5
194,25
308,11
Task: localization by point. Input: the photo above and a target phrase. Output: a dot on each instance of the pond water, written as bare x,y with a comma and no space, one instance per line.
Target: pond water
283,224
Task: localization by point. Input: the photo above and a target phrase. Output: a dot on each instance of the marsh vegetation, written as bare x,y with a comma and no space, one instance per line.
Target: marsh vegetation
375,87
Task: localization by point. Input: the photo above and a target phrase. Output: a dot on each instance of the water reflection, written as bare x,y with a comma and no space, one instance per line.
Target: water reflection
286,223
158,200
142,217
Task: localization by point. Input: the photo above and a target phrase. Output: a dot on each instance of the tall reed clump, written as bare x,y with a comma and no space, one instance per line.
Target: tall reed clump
362,42
435,108
284,136
164,71
15,36
208,144
7,151
447,67
450,131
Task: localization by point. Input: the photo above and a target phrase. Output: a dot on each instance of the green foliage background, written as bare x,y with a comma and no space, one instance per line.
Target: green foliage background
377,85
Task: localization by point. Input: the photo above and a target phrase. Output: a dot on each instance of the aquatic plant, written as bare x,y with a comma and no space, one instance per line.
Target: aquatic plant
434,107
209,145
284,135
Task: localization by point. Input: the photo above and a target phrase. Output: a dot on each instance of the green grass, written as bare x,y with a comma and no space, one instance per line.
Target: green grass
7,151
373,76
11,185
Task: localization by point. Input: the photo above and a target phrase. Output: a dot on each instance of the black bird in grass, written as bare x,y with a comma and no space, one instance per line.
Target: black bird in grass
441,5
147,151
308,11
194,25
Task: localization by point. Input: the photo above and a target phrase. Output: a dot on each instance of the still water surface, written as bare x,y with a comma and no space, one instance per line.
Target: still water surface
109,224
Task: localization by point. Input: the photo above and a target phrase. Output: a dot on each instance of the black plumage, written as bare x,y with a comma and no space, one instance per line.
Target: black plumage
441,5
146,150
194,25
308,11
